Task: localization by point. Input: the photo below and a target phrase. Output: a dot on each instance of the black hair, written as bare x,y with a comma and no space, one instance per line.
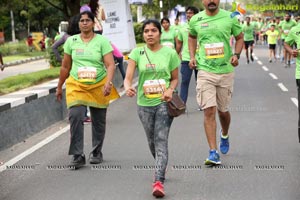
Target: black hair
152,21
73,27
94,5
89,14
165,19
192,8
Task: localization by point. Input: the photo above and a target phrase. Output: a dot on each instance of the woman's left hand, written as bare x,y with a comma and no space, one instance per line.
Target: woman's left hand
167,95
107,88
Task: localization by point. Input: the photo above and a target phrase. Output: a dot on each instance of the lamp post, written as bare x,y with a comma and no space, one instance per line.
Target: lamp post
161,11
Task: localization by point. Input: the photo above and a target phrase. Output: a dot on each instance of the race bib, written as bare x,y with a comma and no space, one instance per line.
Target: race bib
214,50
87,74
286,31
154,88
168,44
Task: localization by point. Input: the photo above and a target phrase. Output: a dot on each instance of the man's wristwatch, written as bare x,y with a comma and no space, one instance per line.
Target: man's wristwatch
237,55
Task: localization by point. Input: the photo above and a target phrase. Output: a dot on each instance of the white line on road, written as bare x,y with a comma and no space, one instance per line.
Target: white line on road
33,149
259,62
42,143
273,76
295,101
265,68
282,87
255,58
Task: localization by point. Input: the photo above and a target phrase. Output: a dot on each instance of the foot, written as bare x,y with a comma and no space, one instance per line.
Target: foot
248,61
87,120
270,60
213,158
96,158
78,161
289,63
2,67
251,57
224,143
158,189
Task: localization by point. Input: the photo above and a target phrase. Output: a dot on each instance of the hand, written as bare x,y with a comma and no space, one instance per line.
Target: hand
167,95
294,53
130,91
107,88
193,64
234,60
58,94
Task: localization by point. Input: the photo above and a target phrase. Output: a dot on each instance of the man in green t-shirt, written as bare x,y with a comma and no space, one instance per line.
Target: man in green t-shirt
182,49
215,61
293,37
248,30
285,26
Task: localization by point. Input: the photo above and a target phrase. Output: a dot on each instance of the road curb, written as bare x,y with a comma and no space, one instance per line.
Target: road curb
26,60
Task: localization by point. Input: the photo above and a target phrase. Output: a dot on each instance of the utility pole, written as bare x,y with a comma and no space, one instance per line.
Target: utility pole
161,7
13,35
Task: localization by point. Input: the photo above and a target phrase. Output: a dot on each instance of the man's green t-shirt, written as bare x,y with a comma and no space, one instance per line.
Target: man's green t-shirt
87,58
163,61
213,34
272,36
168,38
286,27
248,32
294,37
183,36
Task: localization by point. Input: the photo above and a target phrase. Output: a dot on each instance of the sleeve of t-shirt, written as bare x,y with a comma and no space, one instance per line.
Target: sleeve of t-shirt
236,27
67,46
175,60
179,36
134,55
290,37
192,24
106,46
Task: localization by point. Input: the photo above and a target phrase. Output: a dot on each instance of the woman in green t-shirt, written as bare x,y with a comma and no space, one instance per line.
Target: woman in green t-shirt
158,77
88,69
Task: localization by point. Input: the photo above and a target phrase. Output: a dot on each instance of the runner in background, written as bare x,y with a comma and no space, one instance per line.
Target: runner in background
273,35
168,35
248,30
285,27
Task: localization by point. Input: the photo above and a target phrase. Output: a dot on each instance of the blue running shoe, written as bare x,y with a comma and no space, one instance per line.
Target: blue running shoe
213,158
224,143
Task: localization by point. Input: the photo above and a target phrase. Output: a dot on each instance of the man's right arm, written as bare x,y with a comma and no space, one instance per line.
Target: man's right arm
192,50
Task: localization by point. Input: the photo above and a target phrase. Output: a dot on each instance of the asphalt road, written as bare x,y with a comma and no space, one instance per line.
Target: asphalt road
24,68
263,162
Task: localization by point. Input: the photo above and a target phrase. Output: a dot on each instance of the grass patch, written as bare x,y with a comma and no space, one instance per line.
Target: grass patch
15,83
22,56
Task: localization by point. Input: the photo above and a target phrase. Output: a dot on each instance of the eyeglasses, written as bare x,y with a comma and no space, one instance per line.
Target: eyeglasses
85,20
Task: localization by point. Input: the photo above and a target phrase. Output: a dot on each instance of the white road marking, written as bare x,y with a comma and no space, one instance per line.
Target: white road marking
273,76
265,68
259,62
295,101
34,148
29,151
282,87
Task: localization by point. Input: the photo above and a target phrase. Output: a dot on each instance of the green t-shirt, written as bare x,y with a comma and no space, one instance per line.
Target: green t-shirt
294,37
213,34
87,58
168,38
272,36
286,27
164,61
248,32
183,36
176,28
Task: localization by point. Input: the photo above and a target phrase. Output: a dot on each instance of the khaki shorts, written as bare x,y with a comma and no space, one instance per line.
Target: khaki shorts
214,90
